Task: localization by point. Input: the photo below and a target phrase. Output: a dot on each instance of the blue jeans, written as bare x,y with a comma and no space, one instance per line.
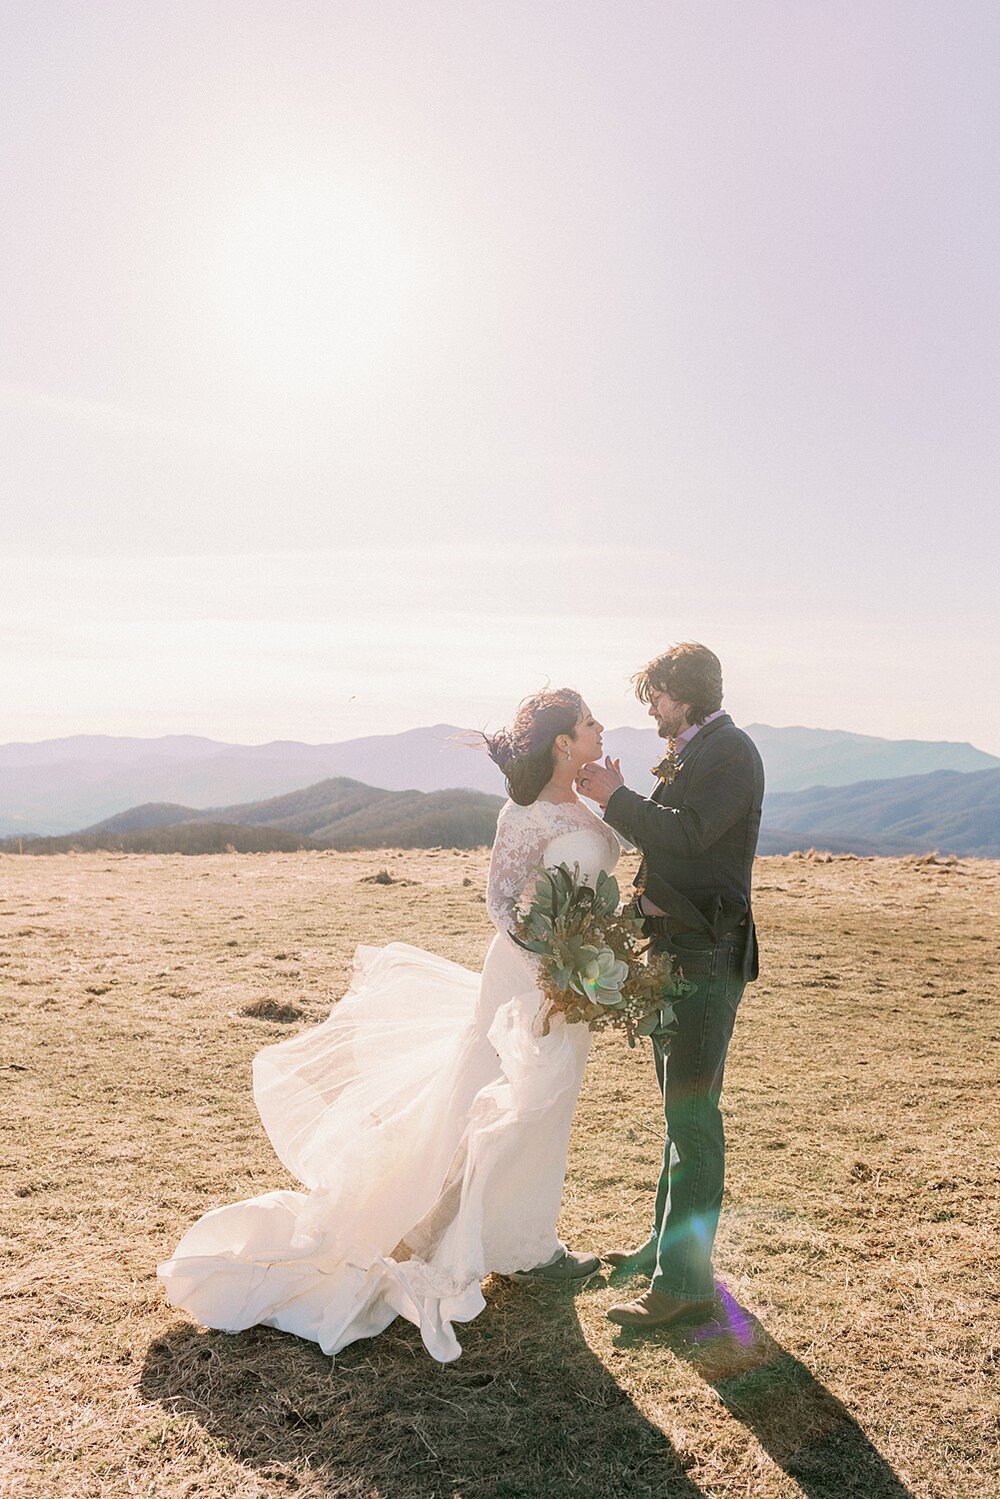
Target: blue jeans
689,1192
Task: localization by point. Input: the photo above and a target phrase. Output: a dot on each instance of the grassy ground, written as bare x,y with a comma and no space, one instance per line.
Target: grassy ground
858,1342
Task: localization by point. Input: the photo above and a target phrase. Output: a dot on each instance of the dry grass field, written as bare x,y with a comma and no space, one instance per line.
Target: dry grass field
859,1340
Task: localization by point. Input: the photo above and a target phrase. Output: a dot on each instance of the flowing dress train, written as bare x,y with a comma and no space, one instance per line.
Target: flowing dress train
429,1121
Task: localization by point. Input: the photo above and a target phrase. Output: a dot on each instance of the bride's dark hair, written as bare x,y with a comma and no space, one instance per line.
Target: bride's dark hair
524,751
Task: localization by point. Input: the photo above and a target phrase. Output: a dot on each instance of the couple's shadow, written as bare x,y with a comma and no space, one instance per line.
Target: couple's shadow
803,1427
527,1410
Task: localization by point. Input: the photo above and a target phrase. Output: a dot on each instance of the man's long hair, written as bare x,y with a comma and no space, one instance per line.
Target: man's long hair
690,673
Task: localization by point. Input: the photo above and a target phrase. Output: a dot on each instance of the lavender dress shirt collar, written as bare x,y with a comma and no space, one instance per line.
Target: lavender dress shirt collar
683,740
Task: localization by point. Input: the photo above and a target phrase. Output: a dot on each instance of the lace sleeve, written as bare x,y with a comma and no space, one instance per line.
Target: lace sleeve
518,848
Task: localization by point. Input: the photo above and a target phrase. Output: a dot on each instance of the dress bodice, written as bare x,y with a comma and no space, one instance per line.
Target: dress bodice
547,834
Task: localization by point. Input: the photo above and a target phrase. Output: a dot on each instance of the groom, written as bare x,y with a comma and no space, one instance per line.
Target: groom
697,835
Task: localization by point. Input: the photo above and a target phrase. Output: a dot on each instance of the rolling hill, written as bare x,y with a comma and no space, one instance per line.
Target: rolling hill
337,813
952,811
948,810
59,785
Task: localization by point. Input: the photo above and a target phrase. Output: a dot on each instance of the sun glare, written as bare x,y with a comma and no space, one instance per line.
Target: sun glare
317,279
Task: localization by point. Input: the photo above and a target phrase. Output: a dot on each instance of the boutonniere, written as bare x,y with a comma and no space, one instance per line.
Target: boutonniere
667,768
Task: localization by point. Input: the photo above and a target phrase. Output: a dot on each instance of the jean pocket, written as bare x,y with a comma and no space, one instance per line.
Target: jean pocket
694,957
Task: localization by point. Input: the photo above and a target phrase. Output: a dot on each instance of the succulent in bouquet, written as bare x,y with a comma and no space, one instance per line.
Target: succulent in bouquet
596,965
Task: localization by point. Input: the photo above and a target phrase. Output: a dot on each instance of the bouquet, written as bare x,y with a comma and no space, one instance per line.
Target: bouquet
597,966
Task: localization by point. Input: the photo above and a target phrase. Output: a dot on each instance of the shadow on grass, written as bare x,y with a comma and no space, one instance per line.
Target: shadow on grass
527,1410
800,1424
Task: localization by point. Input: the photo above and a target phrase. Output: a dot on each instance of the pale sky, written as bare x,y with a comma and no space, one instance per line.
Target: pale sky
365,366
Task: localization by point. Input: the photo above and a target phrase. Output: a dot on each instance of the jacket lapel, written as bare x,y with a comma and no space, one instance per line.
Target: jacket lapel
698,743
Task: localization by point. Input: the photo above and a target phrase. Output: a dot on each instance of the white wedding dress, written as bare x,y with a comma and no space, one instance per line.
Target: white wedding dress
429,1119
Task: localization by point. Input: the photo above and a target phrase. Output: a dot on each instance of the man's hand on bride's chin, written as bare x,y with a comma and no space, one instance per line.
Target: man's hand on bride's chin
597,782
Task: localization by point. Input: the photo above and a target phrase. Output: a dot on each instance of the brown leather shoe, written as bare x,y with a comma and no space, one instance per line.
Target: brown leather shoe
657,1309
641,1261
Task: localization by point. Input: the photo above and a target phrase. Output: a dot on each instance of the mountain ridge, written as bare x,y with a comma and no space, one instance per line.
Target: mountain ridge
44,793
950,811
337,813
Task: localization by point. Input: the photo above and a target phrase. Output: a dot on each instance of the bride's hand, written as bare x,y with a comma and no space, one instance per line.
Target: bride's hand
597,782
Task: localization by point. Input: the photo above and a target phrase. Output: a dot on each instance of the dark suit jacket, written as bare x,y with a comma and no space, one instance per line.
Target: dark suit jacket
698,835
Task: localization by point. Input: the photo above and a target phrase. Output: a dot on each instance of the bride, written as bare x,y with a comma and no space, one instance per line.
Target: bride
428,1117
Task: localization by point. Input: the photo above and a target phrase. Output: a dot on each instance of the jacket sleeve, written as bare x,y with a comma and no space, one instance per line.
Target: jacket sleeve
720,793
